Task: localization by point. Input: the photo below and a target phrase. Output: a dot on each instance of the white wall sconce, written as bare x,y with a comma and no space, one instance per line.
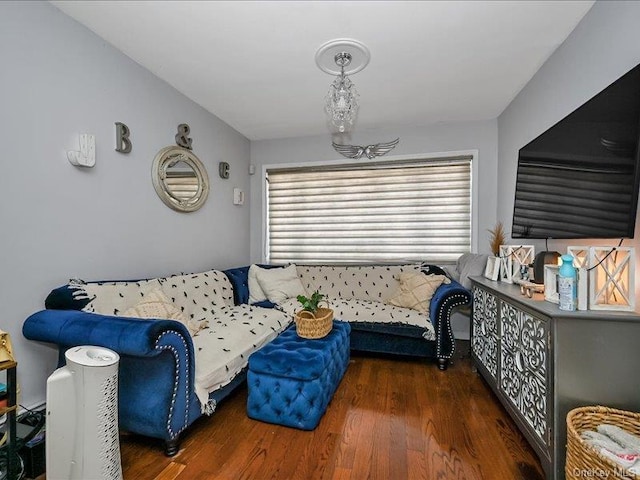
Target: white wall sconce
86,156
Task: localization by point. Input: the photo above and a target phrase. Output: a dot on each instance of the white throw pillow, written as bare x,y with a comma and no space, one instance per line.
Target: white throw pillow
155,304
256,294
279,284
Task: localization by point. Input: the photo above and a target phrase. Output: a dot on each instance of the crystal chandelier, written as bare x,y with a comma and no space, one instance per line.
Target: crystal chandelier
341,102
342,57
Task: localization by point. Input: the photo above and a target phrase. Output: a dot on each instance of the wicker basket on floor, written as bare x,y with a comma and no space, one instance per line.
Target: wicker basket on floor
313,326
582,459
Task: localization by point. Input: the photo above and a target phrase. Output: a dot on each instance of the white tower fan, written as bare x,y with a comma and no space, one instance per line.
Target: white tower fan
82,417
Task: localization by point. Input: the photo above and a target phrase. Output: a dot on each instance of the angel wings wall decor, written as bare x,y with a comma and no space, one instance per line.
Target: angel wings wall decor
369,151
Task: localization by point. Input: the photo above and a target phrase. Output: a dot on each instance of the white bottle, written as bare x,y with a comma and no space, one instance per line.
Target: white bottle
567,284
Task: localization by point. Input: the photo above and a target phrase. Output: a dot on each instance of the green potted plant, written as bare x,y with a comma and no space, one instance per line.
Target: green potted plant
311,304
313,321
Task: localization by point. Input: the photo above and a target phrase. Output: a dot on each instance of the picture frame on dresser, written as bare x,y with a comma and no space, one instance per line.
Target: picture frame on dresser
492,269
512,258
551,273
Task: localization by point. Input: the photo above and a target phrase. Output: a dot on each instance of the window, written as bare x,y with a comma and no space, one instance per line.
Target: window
376,212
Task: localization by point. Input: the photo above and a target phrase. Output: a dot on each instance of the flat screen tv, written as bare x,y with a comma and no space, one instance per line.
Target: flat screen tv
579,179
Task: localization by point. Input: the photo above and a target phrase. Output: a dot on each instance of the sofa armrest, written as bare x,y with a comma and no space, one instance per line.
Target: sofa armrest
157,371
446,298
123,335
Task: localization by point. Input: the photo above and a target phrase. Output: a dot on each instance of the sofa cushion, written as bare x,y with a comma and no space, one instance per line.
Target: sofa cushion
113,298
429,269
415,290
369,311
368,282
234,333
239,278
155,304
196,293
469,265
71,296
279,284
256,293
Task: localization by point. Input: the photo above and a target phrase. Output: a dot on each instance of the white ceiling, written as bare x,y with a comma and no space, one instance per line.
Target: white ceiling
251,63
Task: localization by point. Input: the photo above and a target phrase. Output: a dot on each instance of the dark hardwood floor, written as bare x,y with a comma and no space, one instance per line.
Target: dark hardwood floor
389,419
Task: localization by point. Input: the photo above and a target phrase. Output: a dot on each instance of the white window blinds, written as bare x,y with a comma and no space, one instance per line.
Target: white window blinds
391,212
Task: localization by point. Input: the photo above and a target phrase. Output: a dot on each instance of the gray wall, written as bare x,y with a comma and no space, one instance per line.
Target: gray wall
480,136
602,48
59,221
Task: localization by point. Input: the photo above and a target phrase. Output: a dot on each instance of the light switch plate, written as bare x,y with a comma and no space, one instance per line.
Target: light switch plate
238,196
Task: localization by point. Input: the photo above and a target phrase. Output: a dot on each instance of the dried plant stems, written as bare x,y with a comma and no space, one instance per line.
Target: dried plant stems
497,238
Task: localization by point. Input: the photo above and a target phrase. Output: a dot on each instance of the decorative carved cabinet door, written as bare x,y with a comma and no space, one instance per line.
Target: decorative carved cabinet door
484,340
524,366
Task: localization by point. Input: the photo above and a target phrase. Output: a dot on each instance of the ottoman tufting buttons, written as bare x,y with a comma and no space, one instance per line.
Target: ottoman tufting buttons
291,380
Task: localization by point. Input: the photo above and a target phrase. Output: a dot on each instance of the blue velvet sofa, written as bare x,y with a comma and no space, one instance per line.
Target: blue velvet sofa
158,378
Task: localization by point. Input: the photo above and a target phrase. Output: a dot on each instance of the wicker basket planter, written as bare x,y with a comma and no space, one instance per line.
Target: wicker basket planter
313,326
583,460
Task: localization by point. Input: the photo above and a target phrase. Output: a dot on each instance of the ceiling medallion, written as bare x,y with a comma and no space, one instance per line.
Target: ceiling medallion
342,57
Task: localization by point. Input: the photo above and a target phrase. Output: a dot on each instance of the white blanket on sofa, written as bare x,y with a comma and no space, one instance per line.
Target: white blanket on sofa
354,310
358,293
362,282
222,350
231,334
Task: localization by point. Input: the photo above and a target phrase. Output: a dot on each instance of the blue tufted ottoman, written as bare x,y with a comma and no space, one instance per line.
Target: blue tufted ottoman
291,380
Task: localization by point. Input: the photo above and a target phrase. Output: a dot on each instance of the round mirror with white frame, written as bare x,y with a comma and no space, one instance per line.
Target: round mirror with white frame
180,179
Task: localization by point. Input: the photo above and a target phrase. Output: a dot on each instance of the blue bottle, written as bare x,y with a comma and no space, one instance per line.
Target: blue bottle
567,284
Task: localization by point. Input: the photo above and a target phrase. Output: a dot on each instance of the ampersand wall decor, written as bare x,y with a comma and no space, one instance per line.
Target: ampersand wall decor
182,137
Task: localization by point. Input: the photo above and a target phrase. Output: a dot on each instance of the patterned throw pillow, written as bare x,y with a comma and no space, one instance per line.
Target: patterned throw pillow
156,304
416,290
